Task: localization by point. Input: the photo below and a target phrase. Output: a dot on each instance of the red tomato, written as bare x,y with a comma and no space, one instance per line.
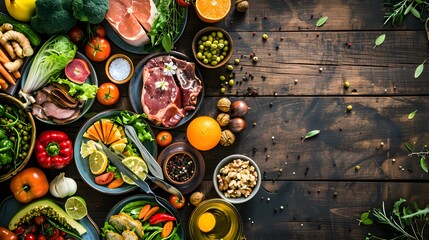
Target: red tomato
176,202
184,3
108,94
97,49
105,178
41,237
98,31
30,236
76,34
19,230
39,220
55,234
164,138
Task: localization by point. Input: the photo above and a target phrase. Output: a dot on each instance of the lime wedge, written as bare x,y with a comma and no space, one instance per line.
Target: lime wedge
76,207
137,165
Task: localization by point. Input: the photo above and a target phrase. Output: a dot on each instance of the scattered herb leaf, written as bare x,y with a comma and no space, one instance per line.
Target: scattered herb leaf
423,164
415,12
409,147
419,69
379,40
412,114
364,219
321,21
311,134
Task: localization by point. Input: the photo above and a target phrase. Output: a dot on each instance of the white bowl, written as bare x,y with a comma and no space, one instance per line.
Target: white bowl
224,162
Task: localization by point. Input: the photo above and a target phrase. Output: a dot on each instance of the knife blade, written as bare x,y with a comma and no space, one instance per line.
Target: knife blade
115,160
154,167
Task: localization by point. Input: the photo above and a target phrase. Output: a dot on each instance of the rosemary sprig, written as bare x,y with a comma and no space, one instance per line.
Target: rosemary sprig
401,8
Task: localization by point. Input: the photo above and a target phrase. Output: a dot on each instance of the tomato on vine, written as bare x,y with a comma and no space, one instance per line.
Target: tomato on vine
97,49
108,94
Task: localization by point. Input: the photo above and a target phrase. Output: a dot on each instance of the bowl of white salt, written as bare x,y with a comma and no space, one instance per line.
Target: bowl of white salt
119,68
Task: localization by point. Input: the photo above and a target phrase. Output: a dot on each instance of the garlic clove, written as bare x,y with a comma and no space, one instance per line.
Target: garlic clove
52,188
71,183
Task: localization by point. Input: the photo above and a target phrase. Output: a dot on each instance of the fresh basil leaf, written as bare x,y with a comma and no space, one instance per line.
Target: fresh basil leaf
419,69
311,134
415,12
367,221
379,40
409,147
423,164
412,114
167,44
321,21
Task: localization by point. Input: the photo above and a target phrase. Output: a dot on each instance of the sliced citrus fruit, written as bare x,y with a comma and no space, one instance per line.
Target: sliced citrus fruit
137,165
211,11
87,148
97,162
118,147
75,206
206,222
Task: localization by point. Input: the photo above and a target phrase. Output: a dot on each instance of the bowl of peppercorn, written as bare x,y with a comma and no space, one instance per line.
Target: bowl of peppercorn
212,47
183,166
17,136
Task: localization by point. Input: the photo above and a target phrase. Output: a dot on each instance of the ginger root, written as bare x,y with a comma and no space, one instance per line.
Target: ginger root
23,41
14,66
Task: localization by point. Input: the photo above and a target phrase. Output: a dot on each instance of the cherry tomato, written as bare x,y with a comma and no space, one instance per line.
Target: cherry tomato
108,94
184,3
19,230
62,233
39,220
30,236
98,31
76,34
176,202
41,237
97,49
164,138
105,178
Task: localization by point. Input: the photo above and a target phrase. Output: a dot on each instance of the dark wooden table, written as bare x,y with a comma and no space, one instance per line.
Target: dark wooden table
297,86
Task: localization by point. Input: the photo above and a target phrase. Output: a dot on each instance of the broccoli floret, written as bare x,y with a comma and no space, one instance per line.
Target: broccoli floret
92,11
53,17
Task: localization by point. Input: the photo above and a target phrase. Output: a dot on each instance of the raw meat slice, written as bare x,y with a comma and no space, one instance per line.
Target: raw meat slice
190,84
143,10
162,106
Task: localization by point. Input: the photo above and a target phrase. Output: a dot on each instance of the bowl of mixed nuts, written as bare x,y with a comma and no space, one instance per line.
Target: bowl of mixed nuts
237,178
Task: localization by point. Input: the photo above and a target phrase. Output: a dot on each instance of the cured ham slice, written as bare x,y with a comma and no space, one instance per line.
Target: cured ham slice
132,19
162,106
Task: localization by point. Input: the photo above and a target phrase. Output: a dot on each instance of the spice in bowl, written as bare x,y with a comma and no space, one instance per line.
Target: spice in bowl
180,168
119,68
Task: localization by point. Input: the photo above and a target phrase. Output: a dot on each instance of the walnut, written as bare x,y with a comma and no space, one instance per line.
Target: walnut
227,138
241,5
223,119
224,104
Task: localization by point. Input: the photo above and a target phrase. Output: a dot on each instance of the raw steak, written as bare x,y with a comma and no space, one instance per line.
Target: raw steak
131,19
162,107
190,84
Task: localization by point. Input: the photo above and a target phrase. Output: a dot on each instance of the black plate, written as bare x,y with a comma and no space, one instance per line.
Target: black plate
136,84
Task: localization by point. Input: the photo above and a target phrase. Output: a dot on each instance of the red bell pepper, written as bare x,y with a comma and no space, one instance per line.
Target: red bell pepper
53,149
161,217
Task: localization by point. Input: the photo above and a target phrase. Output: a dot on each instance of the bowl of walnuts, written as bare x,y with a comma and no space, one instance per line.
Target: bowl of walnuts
237,178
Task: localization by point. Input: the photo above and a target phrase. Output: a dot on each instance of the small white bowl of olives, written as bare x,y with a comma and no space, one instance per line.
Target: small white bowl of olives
212,47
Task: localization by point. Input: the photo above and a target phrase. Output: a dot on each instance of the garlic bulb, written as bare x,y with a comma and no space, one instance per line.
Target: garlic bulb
62,186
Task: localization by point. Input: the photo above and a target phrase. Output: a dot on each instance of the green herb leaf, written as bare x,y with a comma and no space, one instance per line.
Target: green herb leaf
419,69
364,219
321,21
415,12
412,114
379,40
423,164
408,9
409,147
311,134
167,43
397,205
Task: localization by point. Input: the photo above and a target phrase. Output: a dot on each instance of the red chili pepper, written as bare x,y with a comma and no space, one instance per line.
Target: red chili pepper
161,217
53,149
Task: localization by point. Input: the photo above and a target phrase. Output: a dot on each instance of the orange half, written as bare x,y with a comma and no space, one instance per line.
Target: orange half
212,11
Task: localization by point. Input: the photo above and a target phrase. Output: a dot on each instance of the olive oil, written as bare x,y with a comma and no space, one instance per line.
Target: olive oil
228,224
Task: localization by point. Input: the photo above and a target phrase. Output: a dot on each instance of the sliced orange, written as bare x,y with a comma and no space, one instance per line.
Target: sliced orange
91,133
107,126
99,130
211,11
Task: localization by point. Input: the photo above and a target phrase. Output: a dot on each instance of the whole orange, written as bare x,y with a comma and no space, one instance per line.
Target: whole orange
203,133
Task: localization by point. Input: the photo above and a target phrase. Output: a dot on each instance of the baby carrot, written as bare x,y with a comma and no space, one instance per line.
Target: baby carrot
116,183
167,229
151,212
144,211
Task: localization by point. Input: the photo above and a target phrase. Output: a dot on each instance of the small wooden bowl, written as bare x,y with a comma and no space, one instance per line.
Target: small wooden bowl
190,166
4,98
205,32
116,68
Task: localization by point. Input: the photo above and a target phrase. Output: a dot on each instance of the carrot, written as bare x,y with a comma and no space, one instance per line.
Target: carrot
144,211
151,212
3,84
116,183
167,229
10,78
4,58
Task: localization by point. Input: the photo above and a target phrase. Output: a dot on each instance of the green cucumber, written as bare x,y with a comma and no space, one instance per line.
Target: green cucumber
48,208
23,28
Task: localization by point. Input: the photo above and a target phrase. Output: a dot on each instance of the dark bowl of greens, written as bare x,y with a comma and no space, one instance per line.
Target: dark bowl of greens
112,120
152,223
51,96
17,136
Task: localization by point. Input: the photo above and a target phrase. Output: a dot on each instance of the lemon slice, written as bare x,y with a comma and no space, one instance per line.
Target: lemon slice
87,148
118,147
97,162
137,165
76,207
206,222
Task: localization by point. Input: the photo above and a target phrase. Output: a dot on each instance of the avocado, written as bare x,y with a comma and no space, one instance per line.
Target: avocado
48,208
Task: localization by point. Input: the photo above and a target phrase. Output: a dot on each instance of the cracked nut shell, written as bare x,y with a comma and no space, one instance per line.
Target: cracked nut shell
223,119
224,104
227,138
241,5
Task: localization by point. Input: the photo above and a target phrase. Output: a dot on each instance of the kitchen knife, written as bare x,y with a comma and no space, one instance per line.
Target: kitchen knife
154,167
